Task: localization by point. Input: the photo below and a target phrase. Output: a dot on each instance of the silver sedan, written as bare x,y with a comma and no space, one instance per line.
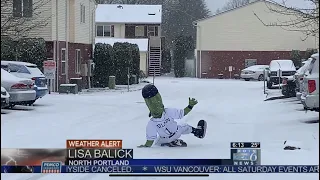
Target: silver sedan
21,90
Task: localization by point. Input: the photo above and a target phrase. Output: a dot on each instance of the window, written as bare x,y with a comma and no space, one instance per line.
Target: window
5,67
82,13
104,31
22,8
152,30
78,60
18,68
63,61
250,62
99,31
313,65
92,68
139,31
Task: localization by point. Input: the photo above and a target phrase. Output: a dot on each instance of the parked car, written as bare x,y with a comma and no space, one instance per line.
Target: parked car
310,97
30,71
4,97
254,72
299,76
21,90
286,68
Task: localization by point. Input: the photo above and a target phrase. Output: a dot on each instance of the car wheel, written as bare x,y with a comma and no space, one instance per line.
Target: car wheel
11,106
30,103
269,85
247,79
261,78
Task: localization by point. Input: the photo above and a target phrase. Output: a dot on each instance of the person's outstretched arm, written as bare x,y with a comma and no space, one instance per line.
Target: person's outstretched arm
192,102
151,135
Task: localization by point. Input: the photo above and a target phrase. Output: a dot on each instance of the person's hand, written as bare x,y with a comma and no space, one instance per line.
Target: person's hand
142,146
192,102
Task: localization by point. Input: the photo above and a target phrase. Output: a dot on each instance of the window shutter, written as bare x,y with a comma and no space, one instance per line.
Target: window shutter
17,8
27,8
84,14
156,31
146,31
112,30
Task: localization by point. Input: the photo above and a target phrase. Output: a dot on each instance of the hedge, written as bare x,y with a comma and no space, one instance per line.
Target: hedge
115,61
104,64
32,50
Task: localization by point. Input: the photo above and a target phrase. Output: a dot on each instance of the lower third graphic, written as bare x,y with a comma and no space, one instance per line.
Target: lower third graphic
51,167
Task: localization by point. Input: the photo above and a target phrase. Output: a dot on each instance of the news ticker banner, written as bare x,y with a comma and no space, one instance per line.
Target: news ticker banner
90,156
56,167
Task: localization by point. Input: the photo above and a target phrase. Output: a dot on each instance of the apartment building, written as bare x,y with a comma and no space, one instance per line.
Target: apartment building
69,34
137,24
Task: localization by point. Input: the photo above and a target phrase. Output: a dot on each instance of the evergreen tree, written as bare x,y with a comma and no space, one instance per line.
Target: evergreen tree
32,50
165,61
7,48
178,18
104,65
296,58
183,48
309,52
122,61
135,60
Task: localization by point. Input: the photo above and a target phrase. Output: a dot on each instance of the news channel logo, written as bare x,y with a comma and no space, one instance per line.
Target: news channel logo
51,167
246,157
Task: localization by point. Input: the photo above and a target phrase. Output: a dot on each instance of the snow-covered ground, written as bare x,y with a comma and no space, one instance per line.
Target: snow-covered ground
235,111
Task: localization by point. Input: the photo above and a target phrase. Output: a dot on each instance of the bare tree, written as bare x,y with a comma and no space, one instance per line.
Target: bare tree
18,18
305,20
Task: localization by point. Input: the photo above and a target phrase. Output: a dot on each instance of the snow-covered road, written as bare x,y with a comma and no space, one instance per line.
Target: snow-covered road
235,111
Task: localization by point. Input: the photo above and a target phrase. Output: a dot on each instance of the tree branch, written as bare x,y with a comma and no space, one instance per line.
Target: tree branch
304,20
17,27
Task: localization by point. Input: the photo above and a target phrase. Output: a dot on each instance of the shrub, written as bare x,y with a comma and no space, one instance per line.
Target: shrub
104,65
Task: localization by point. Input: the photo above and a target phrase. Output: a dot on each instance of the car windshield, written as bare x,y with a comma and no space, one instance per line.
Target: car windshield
34,70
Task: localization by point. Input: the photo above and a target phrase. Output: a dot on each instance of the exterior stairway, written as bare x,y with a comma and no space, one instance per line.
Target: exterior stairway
154,61
154,56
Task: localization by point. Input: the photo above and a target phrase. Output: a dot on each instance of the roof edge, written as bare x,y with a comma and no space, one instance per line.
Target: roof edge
223,12
265,1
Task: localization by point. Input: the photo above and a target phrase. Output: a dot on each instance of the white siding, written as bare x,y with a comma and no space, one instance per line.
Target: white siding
241,30
71,21
122,31
61,19
143,62
84,31
44,15
117,31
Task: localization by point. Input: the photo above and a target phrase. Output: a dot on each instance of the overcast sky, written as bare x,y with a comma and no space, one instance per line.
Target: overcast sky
213,5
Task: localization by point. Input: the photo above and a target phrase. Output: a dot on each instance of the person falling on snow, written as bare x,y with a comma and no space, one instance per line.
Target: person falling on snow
162,129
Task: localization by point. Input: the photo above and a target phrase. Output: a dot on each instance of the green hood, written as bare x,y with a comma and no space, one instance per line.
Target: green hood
155,105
